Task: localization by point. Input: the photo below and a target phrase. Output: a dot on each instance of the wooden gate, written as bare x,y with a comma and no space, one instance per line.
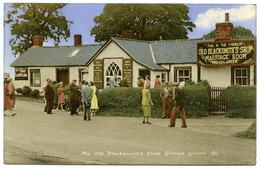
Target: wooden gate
217,99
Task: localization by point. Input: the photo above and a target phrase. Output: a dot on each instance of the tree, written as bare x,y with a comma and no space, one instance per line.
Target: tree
237,33
29,19
147,21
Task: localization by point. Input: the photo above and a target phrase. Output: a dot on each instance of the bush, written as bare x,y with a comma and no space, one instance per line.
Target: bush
250,133
19,90
67,90
35,93
241,102
196,100
26,91
127,102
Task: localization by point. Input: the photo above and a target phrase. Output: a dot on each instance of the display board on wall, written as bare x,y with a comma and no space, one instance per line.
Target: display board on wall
128,70
21,74
235,52
98,73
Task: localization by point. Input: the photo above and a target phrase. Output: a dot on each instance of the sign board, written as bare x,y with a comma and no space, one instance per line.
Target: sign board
127,70
98,73
21,74
226,53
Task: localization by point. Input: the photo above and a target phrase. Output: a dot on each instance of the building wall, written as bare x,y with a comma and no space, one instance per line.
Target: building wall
217,76
252,71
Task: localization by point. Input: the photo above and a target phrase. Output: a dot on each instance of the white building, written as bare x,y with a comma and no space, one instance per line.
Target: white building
222,62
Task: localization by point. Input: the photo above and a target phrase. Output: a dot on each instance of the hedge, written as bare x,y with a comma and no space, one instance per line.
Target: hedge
241,102
196,101
26,91
127,102
249,133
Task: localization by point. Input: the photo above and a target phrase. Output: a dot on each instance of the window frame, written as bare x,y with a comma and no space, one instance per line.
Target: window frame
234,77
107,77
31,77
176,73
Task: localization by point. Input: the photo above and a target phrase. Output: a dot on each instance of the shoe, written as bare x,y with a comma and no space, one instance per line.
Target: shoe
148,122
163,117
62,110
143,122
171,125
49,113
89,119
14,114
183,126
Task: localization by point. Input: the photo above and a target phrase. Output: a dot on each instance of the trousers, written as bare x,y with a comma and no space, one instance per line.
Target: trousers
167,105
174,115
86,111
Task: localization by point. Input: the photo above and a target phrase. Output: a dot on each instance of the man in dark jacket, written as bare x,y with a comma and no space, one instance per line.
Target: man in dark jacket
74,98
49,96
179,106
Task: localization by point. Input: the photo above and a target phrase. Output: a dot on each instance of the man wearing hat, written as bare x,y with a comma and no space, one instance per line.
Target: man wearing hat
166,95
74,98
179,106
49,96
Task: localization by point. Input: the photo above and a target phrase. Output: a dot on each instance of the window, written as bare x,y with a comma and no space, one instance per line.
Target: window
35,77
80,75
163,77
182,74
240,75
112,69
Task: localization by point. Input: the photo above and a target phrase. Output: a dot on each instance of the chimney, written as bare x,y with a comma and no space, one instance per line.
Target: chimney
37,40
224,29
77,40
128,34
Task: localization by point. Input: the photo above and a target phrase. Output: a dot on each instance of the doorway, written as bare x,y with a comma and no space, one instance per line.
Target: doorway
144,72
63,75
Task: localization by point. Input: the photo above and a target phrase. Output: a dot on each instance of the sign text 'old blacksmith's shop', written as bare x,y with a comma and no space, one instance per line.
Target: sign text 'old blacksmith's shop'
226,53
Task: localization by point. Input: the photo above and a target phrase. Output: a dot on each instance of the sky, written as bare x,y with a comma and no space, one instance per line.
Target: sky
204,16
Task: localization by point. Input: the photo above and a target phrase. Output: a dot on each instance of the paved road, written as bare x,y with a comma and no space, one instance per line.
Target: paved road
33,137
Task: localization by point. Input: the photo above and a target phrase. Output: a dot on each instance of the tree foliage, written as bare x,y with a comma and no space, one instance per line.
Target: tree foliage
147,21
29,19
237,33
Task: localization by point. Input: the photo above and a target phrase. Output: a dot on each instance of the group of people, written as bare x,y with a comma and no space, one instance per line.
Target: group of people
168,94
9,96
84,96
147,83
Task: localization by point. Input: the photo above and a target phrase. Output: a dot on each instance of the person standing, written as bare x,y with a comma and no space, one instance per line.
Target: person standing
49,96
179,106
94,100
166,95
140,82
45,101
146,104
147,83
61,96
55,86
7,97
87,94
123,83
112,81
157,83
12,91
74,98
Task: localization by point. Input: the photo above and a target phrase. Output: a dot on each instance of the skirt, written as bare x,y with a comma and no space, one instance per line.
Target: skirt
147,110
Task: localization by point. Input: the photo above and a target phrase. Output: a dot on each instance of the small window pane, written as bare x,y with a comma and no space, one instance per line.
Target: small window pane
244,72
187,72
238,72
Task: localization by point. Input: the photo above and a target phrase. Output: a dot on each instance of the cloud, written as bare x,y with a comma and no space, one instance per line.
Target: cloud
210,17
